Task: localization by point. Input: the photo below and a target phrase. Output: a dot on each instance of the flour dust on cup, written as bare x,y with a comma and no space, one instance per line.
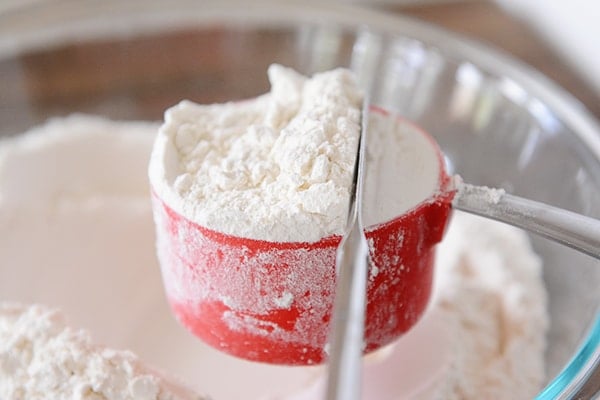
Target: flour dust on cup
250,201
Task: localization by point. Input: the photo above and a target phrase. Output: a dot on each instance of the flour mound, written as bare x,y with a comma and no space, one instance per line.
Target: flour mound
278,167
489,284
42,358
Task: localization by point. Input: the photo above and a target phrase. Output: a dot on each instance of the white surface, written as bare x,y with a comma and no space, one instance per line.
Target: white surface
571,27
394,145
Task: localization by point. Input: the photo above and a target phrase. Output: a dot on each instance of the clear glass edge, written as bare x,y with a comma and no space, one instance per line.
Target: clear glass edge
578,370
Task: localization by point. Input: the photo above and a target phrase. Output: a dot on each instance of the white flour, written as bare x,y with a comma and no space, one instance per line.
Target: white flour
77,233
43,358
277,168
482,195
489,283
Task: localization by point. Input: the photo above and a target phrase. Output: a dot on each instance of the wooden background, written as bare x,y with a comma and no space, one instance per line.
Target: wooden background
138,79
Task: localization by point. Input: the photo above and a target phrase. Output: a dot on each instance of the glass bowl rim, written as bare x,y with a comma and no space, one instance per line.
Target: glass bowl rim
34,24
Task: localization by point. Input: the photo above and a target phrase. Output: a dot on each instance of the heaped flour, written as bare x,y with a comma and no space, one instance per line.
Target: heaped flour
278,167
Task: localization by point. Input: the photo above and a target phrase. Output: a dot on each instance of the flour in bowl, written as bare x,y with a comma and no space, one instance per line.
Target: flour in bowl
489,304
41,357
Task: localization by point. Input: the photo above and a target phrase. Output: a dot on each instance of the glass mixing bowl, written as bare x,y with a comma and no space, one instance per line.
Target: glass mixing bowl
498,122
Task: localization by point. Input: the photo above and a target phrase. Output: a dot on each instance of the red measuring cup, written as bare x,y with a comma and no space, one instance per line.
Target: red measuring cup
272,301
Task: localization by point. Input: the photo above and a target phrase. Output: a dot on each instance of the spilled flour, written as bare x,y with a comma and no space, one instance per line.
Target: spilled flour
77,234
